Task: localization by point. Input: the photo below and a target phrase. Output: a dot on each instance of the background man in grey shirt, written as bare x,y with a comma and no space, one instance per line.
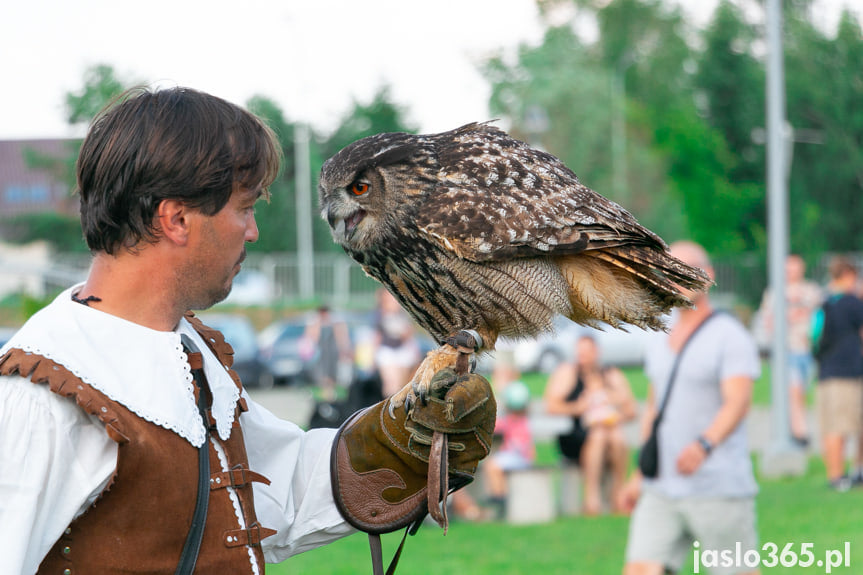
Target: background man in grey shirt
705,490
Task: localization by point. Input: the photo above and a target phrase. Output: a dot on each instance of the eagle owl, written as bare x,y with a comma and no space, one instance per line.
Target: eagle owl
473,230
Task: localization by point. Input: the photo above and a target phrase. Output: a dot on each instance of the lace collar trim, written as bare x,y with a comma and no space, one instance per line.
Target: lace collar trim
143,369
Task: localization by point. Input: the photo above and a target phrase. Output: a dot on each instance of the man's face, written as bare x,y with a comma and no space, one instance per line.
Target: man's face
220,248
694,256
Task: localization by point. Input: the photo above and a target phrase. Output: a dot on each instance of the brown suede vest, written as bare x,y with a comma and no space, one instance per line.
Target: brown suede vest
140,521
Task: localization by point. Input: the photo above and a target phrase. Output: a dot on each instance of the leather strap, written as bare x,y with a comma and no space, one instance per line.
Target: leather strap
438,479
251,535
196,530
671,378
378,551
239,476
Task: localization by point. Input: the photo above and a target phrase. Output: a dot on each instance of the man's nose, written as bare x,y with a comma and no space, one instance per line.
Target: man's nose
252,231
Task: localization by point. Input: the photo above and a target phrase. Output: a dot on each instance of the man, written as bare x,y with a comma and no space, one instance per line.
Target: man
106,462
803,298
839,395
705,489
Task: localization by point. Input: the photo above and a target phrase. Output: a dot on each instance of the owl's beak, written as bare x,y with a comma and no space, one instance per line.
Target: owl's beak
333,218
344,227
337,225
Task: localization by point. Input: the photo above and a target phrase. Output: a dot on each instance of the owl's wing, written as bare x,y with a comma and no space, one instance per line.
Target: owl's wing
571,220
501,211
497,199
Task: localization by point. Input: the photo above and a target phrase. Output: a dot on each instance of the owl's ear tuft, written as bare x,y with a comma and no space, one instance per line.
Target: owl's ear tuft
394,155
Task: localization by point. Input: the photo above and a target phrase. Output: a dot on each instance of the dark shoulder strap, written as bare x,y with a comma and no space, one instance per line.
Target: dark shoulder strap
192,546
673,375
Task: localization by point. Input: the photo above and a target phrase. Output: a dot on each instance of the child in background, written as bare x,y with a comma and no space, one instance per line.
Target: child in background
517,450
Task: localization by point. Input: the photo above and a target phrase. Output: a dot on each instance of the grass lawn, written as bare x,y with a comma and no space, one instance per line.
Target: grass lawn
797,511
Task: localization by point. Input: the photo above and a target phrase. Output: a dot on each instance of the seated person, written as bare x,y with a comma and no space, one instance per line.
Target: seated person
599,400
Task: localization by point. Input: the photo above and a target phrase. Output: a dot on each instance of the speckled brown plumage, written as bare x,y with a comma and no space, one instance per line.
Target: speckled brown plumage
472,229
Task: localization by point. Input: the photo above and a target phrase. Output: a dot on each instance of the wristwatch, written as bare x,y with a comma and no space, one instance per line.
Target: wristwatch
708,447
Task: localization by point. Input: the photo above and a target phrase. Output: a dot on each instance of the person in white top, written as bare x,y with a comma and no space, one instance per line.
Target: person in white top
803,298
169,180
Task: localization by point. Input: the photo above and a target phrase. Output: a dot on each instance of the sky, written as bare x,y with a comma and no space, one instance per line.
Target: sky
312,57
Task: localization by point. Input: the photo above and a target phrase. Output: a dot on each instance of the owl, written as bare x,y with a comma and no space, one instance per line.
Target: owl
472,229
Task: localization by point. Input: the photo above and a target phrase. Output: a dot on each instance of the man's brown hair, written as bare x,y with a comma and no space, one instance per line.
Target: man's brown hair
178,143
839,266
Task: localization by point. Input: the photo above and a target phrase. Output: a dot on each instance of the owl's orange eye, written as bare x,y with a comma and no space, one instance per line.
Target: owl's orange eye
359,188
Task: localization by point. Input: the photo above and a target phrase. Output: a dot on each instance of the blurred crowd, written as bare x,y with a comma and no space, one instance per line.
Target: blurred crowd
696,406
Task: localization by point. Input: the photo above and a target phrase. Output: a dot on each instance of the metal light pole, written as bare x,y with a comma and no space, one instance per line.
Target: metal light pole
305,244
781,458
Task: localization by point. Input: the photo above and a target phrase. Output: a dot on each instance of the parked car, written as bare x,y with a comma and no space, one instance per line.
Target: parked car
240,333
544,353
280,345
251,287
282,361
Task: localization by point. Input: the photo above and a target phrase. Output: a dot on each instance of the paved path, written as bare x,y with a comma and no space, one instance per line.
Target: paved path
296,403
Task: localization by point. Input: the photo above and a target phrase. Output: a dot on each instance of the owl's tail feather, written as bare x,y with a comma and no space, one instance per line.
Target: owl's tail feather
659,269
627,284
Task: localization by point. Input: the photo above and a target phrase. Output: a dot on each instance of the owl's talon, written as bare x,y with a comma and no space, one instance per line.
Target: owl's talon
396,401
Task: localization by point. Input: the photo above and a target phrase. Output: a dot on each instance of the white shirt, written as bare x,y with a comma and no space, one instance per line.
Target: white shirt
55,459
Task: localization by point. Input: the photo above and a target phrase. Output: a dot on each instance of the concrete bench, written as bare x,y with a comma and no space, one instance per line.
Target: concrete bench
571,489
531,495
541,493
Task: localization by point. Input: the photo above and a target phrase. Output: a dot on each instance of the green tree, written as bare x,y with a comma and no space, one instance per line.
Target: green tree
382,114
730,85
729,88
559,81
276,220
647,42
101,85
824,78
62,232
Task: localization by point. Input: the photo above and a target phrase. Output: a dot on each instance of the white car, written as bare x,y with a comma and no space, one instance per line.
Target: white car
544,353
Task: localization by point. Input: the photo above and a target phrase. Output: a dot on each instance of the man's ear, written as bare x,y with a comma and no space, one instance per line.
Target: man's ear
174,221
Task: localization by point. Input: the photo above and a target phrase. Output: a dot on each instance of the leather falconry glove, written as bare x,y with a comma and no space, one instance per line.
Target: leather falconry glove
380,460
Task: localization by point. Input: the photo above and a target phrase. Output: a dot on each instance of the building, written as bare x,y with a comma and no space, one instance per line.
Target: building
33,177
